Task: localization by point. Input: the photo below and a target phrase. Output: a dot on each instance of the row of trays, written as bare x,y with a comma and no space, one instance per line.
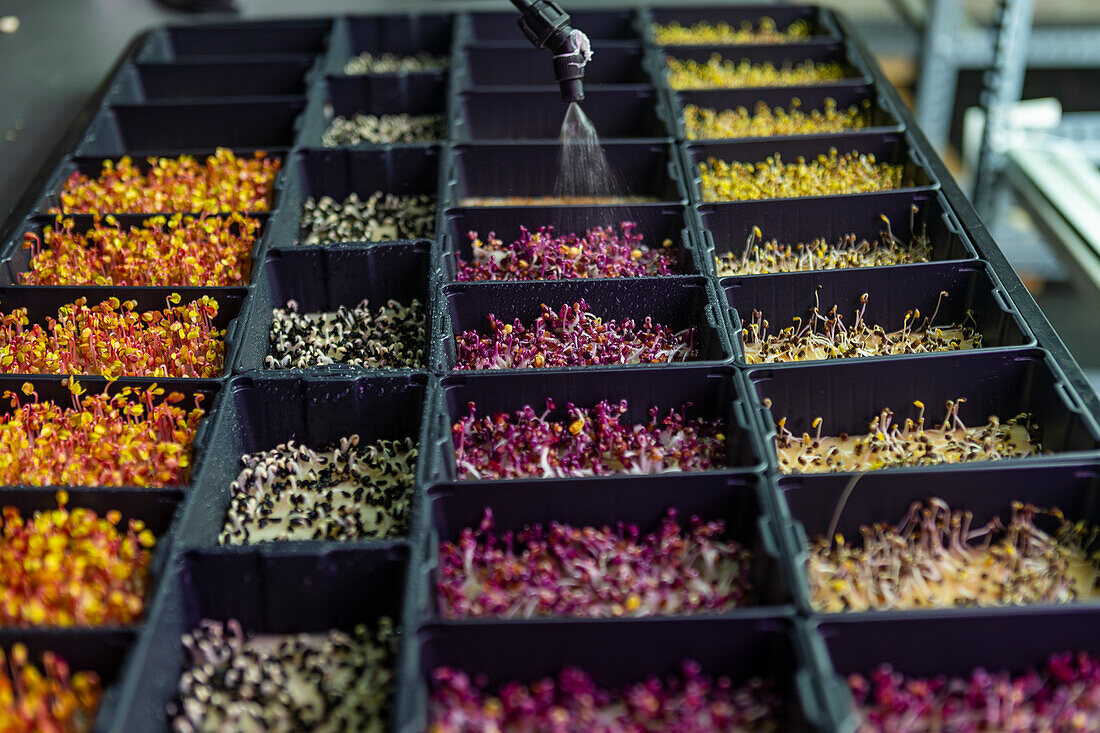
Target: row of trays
275,85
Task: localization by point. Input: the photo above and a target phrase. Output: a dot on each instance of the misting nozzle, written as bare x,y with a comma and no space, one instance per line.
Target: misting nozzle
546,25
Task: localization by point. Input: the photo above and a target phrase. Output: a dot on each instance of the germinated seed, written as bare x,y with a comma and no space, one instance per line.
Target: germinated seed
343,492
391,337
383,217
390,63
382,129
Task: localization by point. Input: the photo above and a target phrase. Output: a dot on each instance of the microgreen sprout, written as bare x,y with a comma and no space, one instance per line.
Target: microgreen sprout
828,174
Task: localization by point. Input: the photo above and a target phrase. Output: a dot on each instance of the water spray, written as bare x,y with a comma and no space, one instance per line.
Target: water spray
547,26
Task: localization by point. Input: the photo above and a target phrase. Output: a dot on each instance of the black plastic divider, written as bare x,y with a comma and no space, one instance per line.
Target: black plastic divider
92,165
325,278
266,38
875,116
383,94
155,82
656,223
680,303
175,128
714,392
819,20
615,654
52,389
406,34
938,643
527,68
405,170
974,296
533,115
782,54
282,591
649,169
42,302
847,394
263,411
15,258
738,501
726,226
889,147
491,29
806,504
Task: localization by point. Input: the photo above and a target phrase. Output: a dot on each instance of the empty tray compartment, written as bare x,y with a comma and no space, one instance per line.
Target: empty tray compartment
261,412
527,170
268,593
987,492
848,394
657,223
888,148
727,226
263,38
527,115
818,20
168,81
778,55
974,297
598,25
171,129
42,303
491,66
873,113
944,643
325,278
714,393
337,173
402,35
16,258
677,304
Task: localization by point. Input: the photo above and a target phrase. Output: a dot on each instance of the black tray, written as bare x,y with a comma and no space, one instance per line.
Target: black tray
160,81
599,25
522,67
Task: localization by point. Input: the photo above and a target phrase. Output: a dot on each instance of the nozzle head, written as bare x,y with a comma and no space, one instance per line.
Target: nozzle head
572,90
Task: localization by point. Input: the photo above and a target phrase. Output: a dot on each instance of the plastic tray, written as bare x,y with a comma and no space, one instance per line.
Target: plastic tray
527,67
726,227
453,507
892,148
525,115
397,34
714,392
176,128
944,643
807,503
15,258
680,303
325,278
221,40
42,303
92,166
847,394
656,223
818,51
382,94
821,25
193,80
261,412
643,169
405,170
876,117
598,25
893,292
280,592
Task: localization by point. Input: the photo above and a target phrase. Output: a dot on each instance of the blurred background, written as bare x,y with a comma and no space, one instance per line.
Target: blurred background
1030,164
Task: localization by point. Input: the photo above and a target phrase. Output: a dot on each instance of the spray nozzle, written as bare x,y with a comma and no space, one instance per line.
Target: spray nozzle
547,26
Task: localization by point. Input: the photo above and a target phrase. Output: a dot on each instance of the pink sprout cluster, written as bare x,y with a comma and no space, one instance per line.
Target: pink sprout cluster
547,255
590,442
593,572
1064,697
572,336
572,703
